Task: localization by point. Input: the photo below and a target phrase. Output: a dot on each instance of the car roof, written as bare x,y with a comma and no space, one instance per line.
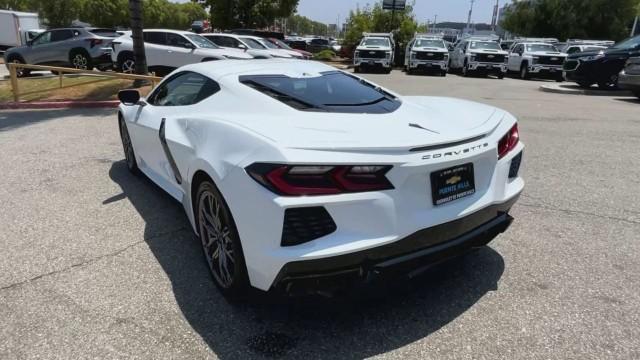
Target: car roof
225,34
535,43
295,68
180,32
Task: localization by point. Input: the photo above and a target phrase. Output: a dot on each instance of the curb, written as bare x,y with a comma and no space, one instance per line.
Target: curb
576,90
59,105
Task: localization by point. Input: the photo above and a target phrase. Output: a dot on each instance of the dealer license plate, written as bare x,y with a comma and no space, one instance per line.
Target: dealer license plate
452,184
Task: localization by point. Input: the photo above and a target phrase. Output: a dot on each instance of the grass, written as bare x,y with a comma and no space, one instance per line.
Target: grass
106,90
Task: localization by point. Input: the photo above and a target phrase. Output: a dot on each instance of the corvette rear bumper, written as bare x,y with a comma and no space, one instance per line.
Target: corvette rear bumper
406,257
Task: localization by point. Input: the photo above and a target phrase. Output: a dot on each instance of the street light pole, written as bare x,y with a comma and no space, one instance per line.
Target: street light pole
469,18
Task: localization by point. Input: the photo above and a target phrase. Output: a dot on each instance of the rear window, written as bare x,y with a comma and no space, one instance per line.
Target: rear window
333,91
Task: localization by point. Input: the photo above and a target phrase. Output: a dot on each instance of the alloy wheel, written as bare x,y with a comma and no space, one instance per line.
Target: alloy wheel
215,235
128,66
80,62
20,72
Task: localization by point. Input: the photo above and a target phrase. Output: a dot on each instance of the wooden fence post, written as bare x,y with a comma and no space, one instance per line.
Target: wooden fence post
14,82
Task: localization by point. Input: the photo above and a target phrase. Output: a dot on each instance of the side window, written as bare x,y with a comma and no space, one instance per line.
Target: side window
44,38
154,37
235,43
61,35
573,50
182,89
220,40
178,41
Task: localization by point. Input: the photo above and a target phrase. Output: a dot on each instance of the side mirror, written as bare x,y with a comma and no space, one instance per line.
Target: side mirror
129,97
242,46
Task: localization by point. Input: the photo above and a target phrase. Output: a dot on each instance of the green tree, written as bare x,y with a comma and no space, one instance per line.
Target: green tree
305,26
376,19
228,14
106,13
563,19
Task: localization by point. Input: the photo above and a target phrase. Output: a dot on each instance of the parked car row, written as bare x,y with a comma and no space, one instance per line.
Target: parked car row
166,50
585,62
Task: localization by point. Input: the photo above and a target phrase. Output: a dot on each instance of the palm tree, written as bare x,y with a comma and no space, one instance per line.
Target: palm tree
140,58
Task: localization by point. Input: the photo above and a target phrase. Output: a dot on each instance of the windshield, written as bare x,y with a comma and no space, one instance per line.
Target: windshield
631,43
269,44
282,44
201,41
333,91
253,44
429,43
375,42
541,47
485,45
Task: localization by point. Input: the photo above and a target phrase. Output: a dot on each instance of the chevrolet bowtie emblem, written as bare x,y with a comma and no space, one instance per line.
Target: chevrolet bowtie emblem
454,180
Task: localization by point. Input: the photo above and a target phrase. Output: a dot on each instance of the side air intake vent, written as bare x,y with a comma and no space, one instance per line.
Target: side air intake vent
515,166
302,225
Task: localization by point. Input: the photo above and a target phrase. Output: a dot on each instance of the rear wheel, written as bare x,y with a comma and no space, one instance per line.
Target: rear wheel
81,60
21,72
221,242
501,75
637,93
127,65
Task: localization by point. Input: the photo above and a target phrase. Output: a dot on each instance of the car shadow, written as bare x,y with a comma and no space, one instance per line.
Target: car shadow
14,119
348,327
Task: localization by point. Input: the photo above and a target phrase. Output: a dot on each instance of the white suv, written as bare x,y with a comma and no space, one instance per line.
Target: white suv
536,59
427,53
479,55
375,50
168,50
246,43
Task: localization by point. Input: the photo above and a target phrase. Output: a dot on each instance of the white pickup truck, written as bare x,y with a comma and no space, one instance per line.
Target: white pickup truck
375,51
17,28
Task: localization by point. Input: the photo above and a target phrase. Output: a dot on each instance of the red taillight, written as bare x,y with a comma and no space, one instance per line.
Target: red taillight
508,142
95,42
298,180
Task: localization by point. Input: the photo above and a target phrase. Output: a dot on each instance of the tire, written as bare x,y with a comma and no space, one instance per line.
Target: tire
127,147
501,75
220,242
637,93
524,72
443,73
79,59
584,84
356,69
410,71
20,72
388,71
465,70
611,83
559,78
127,64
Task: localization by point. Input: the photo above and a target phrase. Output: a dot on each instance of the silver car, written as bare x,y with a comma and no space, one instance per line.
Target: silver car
81,48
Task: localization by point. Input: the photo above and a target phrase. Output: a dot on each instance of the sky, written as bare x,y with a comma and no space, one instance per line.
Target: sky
329,11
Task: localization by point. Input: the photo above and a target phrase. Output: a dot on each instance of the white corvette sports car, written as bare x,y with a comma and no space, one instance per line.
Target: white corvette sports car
298,177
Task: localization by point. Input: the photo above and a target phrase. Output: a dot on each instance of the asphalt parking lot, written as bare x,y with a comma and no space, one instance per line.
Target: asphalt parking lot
98,263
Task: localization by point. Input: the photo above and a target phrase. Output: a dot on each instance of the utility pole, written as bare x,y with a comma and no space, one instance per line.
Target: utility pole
469,18
435,21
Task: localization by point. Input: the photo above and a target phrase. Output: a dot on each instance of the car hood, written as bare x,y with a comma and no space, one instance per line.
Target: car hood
385,48
420,121
432,49
486,51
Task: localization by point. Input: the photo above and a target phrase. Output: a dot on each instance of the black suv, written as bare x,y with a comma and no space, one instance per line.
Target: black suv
601,66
